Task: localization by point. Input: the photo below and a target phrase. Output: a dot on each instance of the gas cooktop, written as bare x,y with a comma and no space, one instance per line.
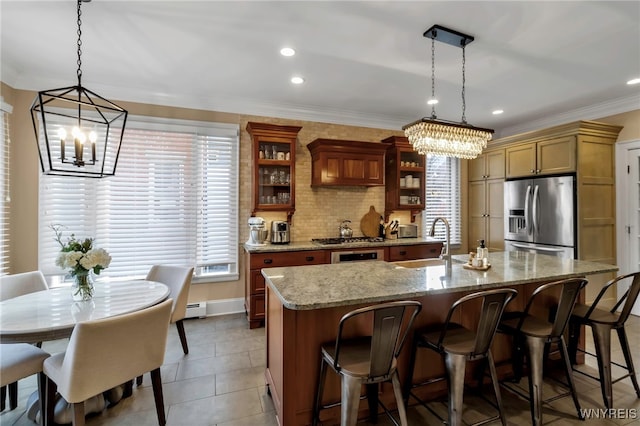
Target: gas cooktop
332,241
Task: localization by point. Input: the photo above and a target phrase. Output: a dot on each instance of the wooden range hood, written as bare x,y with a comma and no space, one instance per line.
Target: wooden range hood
346,163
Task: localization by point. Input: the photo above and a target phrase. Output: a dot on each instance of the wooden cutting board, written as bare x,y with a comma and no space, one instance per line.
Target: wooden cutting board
370,223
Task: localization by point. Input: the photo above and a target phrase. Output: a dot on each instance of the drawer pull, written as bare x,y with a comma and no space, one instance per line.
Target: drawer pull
309,258
268,261
402,252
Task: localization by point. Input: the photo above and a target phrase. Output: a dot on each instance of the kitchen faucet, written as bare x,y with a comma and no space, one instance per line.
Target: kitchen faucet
445,254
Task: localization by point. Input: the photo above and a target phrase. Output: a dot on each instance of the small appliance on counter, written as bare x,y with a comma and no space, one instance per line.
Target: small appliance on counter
257,232
408,231
280,233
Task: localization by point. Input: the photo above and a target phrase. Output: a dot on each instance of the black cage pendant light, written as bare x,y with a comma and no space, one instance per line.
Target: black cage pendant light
78,132
441,137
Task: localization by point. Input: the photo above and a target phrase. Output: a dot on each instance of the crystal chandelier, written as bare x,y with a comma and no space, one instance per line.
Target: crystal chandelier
88,127
441,137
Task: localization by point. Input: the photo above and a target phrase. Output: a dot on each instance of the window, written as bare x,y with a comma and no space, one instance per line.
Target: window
443,196
173,200
5,110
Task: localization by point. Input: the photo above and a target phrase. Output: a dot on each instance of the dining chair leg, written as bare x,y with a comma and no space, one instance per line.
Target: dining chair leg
372,401
78,413
139,380
496,387
602,343
397,390
42,394
569,373
183,336
322,375
13,395
47,405
626,351
455,365
350,400
3,397
535,362
156,383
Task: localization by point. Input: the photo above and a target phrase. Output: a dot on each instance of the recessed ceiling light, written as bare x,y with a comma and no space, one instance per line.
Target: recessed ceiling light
297,80
497,112
287,51
432,101
634,81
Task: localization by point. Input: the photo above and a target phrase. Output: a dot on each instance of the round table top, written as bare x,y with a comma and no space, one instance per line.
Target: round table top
52,314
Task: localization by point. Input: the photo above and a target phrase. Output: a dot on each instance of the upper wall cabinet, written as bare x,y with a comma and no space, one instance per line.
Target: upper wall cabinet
346,163
404,177
273,157
488,165
545,157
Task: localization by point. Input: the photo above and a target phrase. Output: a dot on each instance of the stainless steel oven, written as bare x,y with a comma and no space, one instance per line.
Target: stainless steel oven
357,255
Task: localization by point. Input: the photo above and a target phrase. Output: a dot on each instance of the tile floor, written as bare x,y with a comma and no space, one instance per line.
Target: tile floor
221,383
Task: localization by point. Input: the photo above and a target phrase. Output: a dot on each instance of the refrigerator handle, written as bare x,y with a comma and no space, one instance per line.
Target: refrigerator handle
527,216
536,201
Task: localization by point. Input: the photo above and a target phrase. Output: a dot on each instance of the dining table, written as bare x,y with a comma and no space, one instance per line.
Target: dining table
52,314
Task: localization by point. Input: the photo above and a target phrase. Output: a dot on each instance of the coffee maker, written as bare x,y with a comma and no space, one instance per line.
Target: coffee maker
280,232
257,232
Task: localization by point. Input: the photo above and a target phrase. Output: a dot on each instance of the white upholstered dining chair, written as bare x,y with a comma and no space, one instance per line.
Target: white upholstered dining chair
178,279
106,353
19,360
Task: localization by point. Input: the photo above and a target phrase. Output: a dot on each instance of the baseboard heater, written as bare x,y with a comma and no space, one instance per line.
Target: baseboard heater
196,310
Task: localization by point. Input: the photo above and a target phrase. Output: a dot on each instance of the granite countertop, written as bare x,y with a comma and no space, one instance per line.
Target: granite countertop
309,245
352,283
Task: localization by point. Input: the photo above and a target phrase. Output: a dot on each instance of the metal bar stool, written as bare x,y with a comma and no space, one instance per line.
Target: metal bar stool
457,345
602,321
367,360
537,334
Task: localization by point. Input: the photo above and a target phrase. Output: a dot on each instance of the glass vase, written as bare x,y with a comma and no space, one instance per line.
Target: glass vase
82,286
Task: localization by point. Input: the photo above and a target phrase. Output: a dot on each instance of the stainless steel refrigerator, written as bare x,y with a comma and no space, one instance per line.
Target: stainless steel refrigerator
540,215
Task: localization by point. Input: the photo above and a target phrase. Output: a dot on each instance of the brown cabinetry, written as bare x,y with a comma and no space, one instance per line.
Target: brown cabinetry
414,252
273,158
254,281
554,155
486,200
346,163
404,177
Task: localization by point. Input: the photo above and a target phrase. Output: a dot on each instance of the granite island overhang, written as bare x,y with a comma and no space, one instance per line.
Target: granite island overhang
305,303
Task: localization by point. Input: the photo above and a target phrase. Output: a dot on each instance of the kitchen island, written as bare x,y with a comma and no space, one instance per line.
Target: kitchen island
305,303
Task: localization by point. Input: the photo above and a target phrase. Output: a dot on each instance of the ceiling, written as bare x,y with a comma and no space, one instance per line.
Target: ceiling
364,62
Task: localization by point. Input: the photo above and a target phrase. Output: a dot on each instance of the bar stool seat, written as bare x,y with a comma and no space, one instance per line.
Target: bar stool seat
367,360
457,345
536,333
602,322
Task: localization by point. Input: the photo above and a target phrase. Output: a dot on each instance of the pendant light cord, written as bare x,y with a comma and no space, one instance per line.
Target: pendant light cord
464,105
433,75
79,72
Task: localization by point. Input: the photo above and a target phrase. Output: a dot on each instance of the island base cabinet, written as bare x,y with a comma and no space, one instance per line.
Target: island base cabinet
294,338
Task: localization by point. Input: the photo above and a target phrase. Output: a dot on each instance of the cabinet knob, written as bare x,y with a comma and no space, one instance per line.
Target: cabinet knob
309,258
538,171
533,171
268,261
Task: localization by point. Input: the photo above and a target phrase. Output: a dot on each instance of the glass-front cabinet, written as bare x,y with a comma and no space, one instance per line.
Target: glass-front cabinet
404,177
273,160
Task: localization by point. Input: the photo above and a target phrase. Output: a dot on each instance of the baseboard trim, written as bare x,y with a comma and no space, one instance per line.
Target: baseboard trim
225,307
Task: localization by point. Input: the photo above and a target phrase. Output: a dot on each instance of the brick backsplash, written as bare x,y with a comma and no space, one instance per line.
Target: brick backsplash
319,211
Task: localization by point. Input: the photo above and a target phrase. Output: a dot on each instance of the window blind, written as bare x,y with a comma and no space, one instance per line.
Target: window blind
5,195
173,200
442,196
